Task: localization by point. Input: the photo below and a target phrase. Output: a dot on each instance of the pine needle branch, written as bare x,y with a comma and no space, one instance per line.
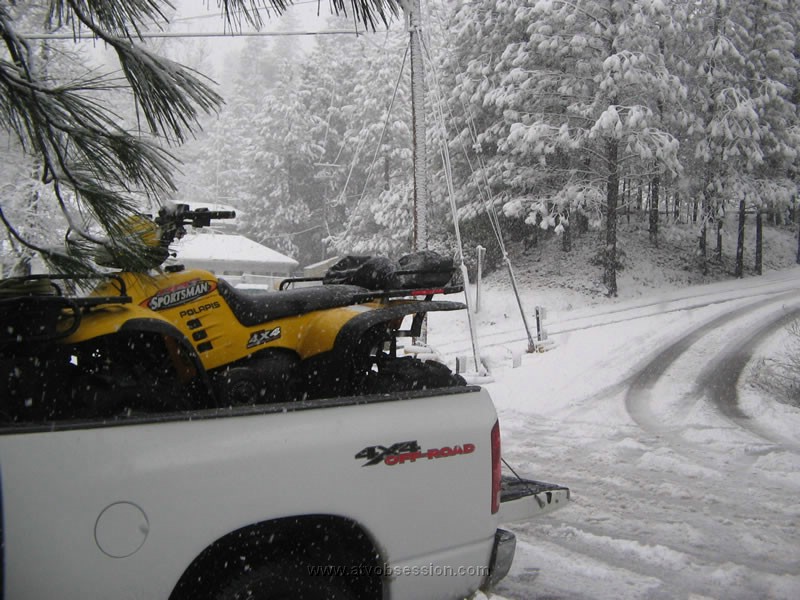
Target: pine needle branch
97,169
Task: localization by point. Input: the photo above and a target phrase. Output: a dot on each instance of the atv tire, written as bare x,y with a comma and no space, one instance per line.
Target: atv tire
265,378
409,374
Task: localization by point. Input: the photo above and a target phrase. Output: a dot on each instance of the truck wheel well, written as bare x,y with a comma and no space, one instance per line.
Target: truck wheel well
308,540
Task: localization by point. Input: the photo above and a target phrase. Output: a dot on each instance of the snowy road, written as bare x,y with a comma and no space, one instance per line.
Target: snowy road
684,478
718,380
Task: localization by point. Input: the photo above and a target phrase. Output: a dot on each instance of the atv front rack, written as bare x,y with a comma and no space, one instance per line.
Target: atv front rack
35,309
45,285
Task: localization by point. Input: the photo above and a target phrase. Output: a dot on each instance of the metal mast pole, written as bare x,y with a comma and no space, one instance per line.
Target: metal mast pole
420,240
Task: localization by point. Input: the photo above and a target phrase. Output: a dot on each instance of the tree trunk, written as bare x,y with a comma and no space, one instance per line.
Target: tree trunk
702,248
759,242
583,223
566,240
704,215
23,262
532,241
612,197
719,239
290,180
626,198
797,216
740,241
654,201
677,208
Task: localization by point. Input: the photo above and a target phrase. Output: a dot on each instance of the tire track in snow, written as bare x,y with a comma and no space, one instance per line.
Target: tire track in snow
719,380
641,568
638,397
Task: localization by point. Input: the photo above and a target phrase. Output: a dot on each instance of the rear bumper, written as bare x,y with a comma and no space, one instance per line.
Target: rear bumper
505,545
520,499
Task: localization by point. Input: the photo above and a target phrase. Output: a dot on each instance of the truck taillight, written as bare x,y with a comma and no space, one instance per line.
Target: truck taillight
496,467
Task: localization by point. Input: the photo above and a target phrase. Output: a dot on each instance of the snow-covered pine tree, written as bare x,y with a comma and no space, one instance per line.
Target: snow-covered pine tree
725,149
772,77
276,160
741,90
320,118
575,102
479,33
27,202
370,186
23,203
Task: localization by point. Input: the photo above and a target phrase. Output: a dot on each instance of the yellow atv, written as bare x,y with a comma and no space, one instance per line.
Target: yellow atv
175,339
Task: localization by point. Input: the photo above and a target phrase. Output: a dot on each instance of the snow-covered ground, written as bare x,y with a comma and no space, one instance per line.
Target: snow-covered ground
684,476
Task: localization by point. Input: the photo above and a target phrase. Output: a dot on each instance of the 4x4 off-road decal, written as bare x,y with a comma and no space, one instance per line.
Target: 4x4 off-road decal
403,452
262,337
179,294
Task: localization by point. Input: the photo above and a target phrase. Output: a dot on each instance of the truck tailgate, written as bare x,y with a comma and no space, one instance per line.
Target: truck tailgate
522,499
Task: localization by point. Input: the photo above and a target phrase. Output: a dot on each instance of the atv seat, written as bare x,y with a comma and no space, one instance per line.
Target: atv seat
254,308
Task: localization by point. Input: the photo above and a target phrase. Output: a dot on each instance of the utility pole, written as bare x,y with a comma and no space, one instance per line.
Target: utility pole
414,13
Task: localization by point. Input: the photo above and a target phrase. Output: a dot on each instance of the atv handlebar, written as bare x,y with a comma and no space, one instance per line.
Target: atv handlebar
180,214
173,220
202,217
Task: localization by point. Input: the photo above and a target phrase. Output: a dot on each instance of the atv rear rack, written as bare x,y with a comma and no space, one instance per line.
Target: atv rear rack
388,293
428,293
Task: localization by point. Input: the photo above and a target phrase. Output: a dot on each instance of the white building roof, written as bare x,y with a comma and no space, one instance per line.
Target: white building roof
222,252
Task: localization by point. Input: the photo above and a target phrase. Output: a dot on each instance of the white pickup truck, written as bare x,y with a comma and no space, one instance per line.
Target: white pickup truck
388,493
372,497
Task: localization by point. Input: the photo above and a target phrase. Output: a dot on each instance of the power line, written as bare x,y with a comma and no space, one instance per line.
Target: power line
216,15
199,34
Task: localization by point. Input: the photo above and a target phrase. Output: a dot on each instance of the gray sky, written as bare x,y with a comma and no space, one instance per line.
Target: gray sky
194,17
